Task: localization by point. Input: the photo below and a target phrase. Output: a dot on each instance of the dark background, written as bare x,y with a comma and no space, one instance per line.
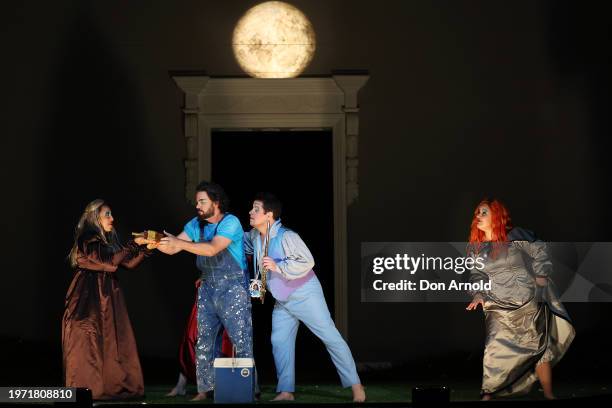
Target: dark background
465,99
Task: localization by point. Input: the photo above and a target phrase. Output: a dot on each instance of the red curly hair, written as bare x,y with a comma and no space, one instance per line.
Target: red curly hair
500,223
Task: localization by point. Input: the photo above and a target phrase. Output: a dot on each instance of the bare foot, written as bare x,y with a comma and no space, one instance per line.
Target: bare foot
180,388
549,395
176,391
284,396
359,394
201,396
486,397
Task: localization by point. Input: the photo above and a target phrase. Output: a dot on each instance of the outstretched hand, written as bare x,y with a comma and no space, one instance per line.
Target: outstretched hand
168,244
478,300
150,243
141,240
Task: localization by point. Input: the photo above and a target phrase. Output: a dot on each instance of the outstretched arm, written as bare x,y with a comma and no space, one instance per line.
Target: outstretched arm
92,262
171,245
89,258
165,245
136,254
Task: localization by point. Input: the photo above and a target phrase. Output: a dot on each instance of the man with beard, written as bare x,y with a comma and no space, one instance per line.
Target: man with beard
216,237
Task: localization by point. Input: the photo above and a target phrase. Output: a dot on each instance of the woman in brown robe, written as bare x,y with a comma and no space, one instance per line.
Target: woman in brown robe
528,329
98,343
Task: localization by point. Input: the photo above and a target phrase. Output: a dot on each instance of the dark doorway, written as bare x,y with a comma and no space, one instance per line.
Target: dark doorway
297,166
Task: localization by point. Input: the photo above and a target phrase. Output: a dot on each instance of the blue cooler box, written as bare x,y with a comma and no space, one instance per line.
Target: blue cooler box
234,380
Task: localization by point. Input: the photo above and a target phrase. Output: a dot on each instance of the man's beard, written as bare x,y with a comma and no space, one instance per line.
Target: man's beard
204,216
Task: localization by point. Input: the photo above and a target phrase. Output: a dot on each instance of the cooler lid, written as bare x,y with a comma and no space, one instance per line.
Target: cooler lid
233,362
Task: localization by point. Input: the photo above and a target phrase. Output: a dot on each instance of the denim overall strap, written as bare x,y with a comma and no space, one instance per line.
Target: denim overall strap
222,264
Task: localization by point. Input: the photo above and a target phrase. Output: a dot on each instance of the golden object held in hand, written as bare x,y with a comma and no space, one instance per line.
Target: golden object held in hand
149,235
264,272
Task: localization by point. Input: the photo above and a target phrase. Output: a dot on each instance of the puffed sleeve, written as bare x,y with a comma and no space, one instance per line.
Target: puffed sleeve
299,260
89,257
248,243
538,252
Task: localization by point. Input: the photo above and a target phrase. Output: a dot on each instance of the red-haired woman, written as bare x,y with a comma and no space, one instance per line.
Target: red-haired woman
528,329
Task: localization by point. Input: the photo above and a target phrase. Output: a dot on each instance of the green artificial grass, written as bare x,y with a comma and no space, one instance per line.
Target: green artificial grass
379,392
308,394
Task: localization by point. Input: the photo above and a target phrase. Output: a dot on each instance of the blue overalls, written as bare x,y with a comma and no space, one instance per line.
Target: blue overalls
223,299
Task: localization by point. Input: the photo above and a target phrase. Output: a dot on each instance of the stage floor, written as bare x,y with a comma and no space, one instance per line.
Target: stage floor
326,393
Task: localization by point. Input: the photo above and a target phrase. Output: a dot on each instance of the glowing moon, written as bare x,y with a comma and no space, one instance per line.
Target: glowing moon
274,40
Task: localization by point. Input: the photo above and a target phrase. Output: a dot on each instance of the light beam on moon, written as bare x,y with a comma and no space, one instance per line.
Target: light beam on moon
273,40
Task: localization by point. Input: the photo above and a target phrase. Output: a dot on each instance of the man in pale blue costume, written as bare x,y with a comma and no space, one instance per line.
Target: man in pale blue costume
216,237
298,295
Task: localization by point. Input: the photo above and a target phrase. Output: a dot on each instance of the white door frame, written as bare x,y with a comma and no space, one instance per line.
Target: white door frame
293,104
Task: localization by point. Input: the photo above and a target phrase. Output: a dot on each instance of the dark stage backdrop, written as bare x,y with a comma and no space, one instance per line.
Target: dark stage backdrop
465,99
296,166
